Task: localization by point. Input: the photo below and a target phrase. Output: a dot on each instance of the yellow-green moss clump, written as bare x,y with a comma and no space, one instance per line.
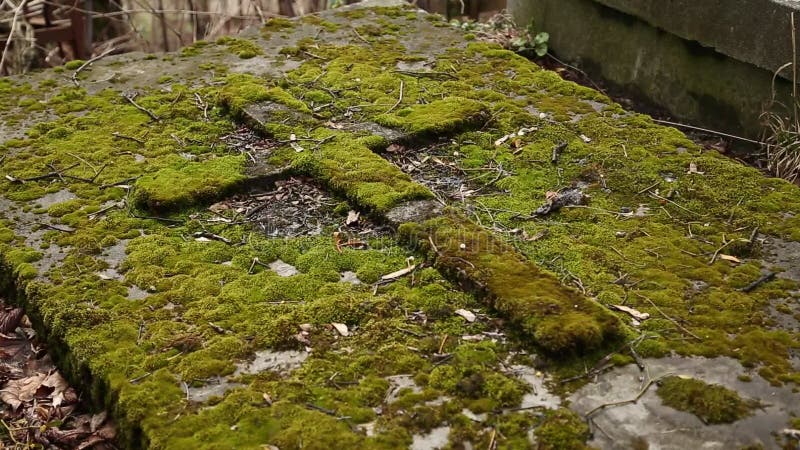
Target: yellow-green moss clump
558,318
437,118
562,429
189,183
181,312
242,90
711,403
244,48
348,166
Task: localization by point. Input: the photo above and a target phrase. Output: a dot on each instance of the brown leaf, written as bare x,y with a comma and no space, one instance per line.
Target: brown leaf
730,258
341,328
17,392
352,218
10,319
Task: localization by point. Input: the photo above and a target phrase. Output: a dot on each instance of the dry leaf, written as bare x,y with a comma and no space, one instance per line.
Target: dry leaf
17,392
97,420
500,141
341,328
472,337
640,316
693,169
352,218
10,319
468,315
730,258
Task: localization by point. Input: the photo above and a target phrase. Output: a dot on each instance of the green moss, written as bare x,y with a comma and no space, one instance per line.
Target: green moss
711,403
558,318
189,183
475,96
277,24
312,19
562,429
439,117
74,64
244,48
242,90
364,177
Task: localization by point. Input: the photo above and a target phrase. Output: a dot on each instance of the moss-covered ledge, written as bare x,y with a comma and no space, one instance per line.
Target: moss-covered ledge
167,310
558,318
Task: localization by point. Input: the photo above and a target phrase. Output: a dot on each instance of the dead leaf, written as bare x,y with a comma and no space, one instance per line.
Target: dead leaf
17,392
693,169
730,258
502,140
468,315
352,218
59,386
10,319
640,316
539,235
341,328
472,337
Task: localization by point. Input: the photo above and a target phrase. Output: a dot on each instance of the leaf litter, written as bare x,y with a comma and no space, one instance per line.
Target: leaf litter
39,407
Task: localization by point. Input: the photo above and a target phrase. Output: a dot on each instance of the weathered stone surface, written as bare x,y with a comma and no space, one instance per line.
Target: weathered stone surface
711,63
132,235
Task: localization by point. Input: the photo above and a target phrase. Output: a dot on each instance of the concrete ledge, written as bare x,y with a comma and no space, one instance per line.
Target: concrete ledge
753,31
724,89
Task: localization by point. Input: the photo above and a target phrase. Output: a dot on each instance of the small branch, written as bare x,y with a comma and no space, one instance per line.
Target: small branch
53,227
557,152
212,236
412,73
53,174
761,280
706,130
198,100
625,402
716,253
130,98
130,138
89,63
360,36
400,99
668,317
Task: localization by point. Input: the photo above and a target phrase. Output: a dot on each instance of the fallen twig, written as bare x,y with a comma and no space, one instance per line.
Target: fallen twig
360,36
426,74
761,280
625,402
668,317
130,98
89,63
400,99
130,138
557,152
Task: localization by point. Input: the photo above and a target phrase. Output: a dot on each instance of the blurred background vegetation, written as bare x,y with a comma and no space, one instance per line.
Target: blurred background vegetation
46,33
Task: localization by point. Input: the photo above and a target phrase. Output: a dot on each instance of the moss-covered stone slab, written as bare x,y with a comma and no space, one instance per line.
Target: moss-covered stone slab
136,244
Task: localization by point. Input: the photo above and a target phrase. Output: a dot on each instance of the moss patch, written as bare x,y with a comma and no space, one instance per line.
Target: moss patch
712,403
437,118
557,317
562,429
189,183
